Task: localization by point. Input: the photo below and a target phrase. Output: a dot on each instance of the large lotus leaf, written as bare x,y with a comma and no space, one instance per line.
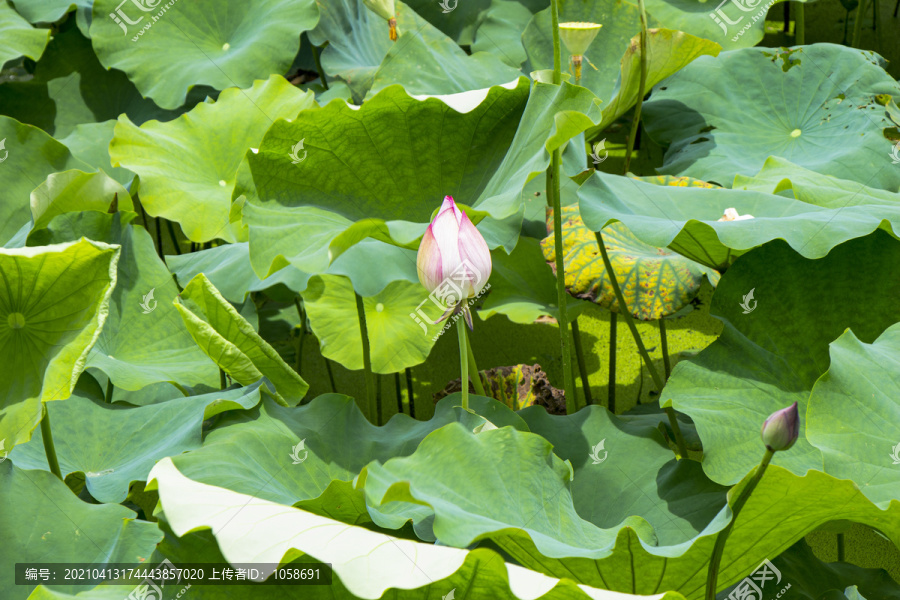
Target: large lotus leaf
736,24
399,336
621,22
523,287
19,37
810,578
30,155
232,343
686,219
49,11
523,502
53,303
113,446
655,281
188,166
461,20
228,268
668,52
71,87
624,468
813,105
366,563
451,69
424,150
143,341
854,414
499,30
43,522
775,346
76,191
301,456
90,142
202,42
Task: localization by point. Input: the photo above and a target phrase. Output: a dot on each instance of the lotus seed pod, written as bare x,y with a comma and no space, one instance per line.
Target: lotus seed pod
577,36
382,8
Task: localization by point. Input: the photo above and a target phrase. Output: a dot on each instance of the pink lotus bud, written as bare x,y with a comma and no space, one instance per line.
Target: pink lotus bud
781,429
453,254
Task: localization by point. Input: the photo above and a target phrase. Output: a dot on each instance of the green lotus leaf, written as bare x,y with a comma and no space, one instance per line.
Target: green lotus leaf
499,30
523,287
451,69
656,282
43,522
853,414
19,37
824,96
53,303
669,52
524,503
621,22
76,191
300,456
400,335
70,87
686,219
187,169
204,43
231,342
90,142
30,155
365,564
774,348
113,446
52,11
811,579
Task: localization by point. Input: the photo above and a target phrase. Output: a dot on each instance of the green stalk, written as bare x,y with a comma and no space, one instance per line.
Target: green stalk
623,310
159,241
463,362
857,25
300,336
367,363
173,236
553,194
330,375
613,334
473,368
641,89
718,550
582,368
840,547
315,53
799,24
399,391
409,392
223,383
49,448
664,344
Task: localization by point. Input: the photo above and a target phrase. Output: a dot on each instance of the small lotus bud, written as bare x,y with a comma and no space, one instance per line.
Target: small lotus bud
781,429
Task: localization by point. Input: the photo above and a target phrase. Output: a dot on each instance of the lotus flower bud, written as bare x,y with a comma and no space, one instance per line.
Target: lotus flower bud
453,254
781,429
577,37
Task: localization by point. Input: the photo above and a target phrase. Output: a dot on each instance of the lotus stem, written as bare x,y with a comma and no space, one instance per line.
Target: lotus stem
409,393
49,448
473,368
840,547
642,88
159,242
664,345
799,24
582,368
299,358
463,362
315,53
399,391
367,363
613,331
719,548
330,375
173,236
624,311
857,25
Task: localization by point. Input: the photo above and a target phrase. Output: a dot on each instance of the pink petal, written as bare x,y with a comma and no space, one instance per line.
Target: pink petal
474,249
446,234
428,261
